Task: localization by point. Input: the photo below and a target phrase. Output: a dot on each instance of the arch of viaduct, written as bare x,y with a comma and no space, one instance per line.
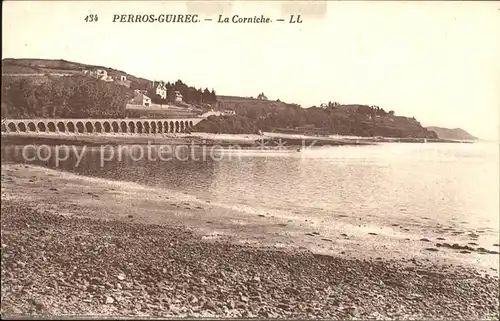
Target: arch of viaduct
91,126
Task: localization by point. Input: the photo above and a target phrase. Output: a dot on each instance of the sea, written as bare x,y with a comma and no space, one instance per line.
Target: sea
423,186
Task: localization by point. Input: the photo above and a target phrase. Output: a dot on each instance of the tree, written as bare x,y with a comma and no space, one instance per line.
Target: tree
206,95
66,97
213,96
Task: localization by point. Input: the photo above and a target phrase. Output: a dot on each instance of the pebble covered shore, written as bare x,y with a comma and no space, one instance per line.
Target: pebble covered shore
60,265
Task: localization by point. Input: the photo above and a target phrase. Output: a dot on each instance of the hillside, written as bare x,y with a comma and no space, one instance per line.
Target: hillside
28,89
50,96
348,119
453,134
35,87
41,67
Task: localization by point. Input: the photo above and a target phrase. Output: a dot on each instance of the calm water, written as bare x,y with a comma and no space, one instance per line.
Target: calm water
424,185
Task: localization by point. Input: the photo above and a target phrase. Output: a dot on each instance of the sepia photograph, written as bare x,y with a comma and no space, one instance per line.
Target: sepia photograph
248,159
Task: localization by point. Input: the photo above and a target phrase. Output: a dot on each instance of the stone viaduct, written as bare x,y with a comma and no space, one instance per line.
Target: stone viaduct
95,126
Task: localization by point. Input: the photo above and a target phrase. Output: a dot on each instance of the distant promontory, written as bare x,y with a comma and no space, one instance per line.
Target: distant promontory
452,134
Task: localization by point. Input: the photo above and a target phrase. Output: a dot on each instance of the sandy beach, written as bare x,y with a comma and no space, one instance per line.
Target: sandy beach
81,245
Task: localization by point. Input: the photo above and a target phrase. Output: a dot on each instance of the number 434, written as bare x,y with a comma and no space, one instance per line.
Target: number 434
91,18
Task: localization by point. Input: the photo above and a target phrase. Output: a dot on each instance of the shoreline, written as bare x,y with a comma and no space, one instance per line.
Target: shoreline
176,139
239,224
171,238
209,139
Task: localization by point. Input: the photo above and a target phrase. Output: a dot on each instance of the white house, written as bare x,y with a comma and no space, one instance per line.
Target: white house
99,73
141,99
161,90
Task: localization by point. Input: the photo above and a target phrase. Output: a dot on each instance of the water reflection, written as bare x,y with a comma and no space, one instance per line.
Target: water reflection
426,183
126,166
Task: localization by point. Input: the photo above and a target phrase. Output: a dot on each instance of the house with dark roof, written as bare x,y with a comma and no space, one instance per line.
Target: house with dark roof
161,90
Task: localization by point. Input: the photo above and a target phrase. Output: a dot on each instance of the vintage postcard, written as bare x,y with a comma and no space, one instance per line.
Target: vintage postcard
250,160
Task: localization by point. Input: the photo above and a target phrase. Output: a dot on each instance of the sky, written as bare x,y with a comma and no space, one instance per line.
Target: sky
436,61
